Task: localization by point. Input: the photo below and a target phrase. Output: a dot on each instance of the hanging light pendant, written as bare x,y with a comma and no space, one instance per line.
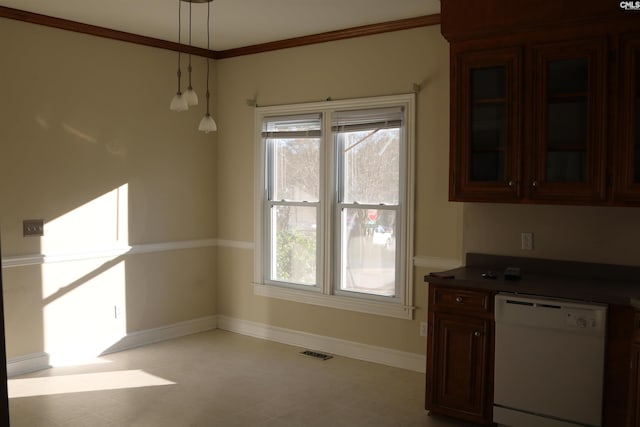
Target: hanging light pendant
190,94
207,124
179,102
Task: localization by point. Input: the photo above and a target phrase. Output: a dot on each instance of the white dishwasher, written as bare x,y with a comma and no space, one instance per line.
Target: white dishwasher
549,362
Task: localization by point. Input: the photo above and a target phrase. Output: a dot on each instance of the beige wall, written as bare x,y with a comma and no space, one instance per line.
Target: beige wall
369,66
577,233
90,117
88,144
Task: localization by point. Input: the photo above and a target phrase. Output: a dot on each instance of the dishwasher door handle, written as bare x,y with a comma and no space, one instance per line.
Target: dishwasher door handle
515,302
533,304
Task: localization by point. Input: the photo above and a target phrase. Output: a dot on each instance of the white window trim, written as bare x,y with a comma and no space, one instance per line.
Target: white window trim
403,307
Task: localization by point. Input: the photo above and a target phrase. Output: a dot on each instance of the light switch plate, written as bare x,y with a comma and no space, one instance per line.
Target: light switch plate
32,227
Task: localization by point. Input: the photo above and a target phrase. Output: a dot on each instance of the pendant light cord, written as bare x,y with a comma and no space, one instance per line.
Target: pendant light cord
190,3
209,49
179,47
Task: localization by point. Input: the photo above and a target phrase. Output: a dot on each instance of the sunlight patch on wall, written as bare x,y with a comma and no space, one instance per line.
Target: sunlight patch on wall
79,134
84,294
98,225
113,380
84,309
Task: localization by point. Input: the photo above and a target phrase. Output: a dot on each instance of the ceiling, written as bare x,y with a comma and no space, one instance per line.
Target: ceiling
235,23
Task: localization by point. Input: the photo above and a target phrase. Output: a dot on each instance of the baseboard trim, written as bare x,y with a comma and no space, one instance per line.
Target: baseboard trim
39,361
385,356
27,363
163,333
366,352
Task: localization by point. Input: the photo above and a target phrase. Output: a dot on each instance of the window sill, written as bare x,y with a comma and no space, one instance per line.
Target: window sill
335,301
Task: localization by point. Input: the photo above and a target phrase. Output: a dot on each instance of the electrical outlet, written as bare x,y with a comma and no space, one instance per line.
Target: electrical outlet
526,241
423,329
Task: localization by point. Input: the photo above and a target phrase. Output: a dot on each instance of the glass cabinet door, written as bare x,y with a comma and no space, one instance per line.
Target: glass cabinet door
485,131
635,125
627,166
568,122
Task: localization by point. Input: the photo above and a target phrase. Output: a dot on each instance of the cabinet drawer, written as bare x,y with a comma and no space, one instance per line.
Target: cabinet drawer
461,299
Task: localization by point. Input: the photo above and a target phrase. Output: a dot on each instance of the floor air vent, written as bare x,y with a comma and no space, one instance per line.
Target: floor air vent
316,355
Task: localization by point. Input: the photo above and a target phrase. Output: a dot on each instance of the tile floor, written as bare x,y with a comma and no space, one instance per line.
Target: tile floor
218,378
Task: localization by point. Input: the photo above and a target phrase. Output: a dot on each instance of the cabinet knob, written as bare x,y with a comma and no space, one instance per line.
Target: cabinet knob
534,184
458,299
476,334
511,183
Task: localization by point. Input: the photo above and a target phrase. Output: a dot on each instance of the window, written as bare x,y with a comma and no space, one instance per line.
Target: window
334,204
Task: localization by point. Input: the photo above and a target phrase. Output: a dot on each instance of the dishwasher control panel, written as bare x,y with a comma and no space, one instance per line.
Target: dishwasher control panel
581,320
551,313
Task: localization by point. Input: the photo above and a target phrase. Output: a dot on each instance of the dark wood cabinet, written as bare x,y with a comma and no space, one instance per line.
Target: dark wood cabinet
486,130
543,110
619,395
459,379
634,404
568,159
627,155
634,375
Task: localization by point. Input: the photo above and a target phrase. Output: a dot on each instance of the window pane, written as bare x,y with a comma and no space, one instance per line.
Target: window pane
293,244
295,169
370,166
368,253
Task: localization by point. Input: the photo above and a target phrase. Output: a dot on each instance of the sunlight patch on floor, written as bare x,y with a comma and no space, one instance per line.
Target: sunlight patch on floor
113,380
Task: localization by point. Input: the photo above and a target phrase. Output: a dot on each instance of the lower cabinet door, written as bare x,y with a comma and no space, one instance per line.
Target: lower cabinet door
634,410
458,371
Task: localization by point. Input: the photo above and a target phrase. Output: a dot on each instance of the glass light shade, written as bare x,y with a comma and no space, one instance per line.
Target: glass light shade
179,103
207,124
191,97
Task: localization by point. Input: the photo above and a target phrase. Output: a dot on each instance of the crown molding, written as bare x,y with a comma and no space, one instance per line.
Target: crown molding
93,30
365,30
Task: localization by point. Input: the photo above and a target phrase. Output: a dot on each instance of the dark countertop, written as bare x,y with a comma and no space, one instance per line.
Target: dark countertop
601,283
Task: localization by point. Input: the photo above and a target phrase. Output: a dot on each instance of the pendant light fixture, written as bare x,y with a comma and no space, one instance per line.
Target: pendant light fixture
180,101
190,94
207,124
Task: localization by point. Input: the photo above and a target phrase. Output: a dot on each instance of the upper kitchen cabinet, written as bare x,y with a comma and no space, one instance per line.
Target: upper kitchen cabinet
568,156
627,175
544,101
486,132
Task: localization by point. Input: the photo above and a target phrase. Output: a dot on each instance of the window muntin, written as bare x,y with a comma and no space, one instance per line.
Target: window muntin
381,125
